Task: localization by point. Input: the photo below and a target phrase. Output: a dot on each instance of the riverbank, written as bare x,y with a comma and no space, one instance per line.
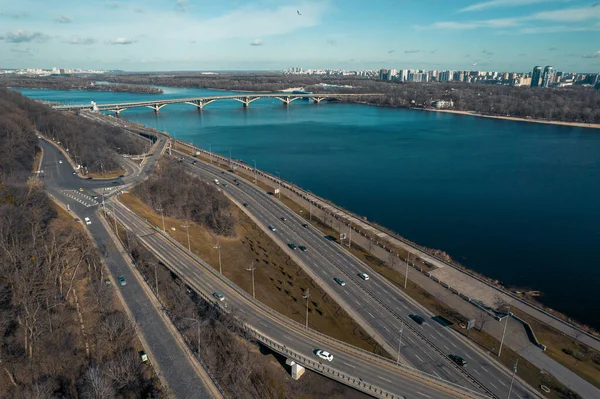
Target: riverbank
512,118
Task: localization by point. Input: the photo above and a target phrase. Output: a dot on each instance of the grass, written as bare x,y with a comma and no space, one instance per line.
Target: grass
279,282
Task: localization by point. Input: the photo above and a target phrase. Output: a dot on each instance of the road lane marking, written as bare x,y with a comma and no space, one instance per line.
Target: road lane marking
492,384
439,376
417,356
446,347
452,343
501,383
386,329
421,393
385,379
285,336
371,314
475,370
358,303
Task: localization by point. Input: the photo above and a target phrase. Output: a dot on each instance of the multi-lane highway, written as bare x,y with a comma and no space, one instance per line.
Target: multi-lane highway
381,305
201,277
182,376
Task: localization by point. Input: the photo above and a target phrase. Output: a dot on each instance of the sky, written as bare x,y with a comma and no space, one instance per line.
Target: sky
177,35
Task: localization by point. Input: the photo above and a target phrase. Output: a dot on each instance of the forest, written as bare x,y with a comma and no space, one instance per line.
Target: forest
62,333
567,104
90,144
72,83
182,196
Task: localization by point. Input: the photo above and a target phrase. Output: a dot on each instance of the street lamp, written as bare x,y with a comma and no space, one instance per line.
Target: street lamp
218,247
198,332
306,295
209,152
254,171
279,183
400,341
513,378
251,269
406,274
504,331
187,228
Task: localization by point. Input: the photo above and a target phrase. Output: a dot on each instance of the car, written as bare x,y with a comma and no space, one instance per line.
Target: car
418,319
245,204
94,197
80,189
219,296
283,218
87,221
324,355
122,280
121,175
292,245
364,276
194,162
74,173
59,161
235,180
143,357
272,228
224,184
302,248
115,183
304,224
458,360
339,281
237,184
88,178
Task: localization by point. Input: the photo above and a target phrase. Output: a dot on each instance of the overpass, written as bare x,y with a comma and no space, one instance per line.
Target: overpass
200,102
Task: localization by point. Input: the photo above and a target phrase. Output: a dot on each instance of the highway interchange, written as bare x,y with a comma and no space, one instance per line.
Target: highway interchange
382,306
378,304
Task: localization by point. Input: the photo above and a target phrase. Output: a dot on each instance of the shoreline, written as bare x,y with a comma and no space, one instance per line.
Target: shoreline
512,118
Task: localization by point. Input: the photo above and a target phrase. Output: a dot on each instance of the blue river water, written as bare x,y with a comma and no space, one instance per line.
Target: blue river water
518,202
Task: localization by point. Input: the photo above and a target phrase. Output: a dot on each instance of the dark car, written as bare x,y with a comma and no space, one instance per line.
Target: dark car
418,319
121,175
302,248
245,204
194,162
292,245
88,178
304,224
115,183
458,360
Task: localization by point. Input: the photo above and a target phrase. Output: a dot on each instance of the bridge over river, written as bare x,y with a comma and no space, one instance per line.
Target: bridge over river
200,102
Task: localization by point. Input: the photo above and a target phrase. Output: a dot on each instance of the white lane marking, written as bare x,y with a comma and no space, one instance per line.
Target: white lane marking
501,383
438,333
492,384
484,369
446,347
349,365
285,336
358,303
439,376
475,370
385,379
421,393
386,329
452,343
371,314
260,322
417,356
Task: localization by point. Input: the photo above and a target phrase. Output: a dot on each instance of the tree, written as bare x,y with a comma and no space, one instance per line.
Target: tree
96,385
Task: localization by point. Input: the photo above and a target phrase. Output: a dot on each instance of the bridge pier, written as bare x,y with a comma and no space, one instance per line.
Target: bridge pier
296,370
317,100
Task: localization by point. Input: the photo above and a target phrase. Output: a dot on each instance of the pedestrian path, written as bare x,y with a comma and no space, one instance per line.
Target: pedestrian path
82,198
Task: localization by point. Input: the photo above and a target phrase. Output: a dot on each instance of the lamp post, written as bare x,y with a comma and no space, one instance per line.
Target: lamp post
254,171
400,341
306,295
187,228
279,185
209,153
504,332
162,216
406,274
197,334
513,378
251,269
218,247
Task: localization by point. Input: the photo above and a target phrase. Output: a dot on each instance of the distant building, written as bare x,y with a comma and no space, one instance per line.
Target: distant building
548,76
440,104
536,76
384,74
403,75
446,76
417,77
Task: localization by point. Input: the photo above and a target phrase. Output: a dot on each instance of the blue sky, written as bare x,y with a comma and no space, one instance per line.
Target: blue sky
499,35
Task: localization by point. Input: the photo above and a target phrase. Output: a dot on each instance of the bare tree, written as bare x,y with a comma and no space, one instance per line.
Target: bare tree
96,385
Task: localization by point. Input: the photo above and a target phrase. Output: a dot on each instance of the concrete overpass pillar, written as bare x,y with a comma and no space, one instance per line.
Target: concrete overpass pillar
296,370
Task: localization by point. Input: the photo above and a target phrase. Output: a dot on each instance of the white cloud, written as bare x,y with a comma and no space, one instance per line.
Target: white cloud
568,14
23,36
121,41
557,29
411,51
86,41
256,42
63,20
502,4
595,54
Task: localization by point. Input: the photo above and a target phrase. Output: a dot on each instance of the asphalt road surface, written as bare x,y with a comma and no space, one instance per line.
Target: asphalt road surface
381,305
201,278
164,349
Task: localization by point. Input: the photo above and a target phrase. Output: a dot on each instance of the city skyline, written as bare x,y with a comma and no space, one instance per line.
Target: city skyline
493,35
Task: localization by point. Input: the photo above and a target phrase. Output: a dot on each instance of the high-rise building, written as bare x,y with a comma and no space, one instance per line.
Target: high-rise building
446,76
548,76
384,74
403,75
417,77
536,76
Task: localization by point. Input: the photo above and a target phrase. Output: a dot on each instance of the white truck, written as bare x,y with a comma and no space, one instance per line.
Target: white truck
216,181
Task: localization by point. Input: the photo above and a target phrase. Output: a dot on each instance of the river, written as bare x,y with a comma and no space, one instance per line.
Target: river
518,202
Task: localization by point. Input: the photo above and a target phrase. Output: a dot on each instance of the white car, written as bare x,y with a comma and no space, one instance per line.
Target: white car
59,161
87,221
364,276
219,296
324,355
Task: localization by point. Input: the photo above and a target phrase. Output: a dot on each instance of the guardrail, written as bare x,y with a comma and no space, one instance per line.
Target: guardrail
311,198
403,369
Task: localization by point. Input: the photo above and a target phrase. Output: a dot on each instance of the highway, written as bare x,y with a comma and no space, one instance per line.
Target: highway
163,348
202,277
382,306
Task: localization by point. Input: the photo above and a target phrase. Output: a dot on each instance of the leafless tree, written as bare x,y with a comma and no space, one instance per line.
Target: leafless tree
96,385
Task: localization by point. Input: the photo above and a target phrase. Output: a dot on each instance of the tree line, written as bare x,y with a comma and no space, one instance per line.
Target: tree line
182,196
92,145
566,104
72,83
61,333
